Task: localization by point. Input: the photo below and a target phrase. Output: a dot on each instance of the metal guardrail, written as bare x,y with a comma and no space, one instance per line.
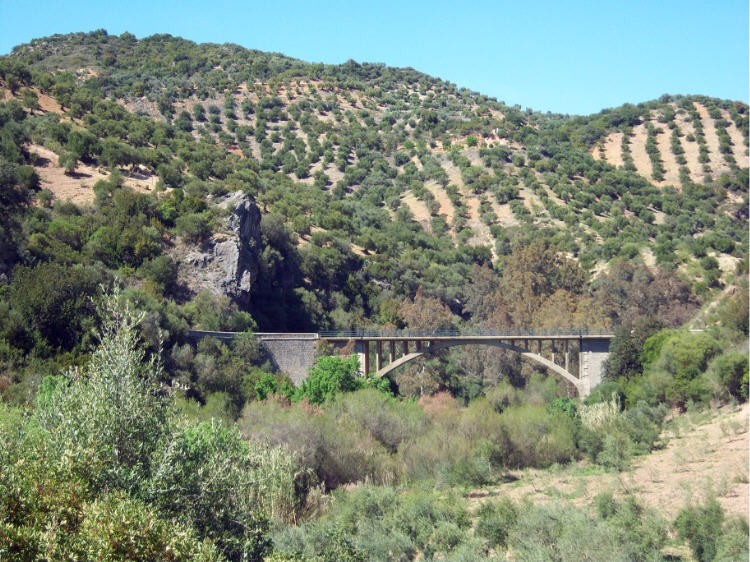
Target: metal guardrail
541,333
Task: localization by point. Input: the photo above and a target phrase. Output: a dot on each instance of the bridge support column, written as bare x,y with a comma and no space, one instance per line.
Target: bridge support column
362,348
591,357
378,355
391,351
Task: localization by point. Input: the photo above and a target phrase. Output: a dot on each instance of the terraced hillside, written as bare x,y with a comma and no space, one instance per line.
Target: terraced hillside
690,141
408,179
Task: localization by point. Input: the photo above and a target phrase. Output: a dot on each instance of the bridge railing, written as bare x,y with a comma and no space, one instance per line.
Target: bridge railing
540,333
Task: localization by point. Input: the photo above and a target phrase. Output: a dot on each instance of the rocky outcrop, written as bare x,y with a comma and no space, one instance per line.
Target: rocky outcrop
228,263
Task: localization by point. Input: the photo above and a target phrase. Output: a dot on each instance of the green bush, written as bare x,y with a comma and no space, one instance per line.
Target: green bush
108,416
117,527
388,420
701,527
337,450
674,361
616,451
374,524
210,479
733,543
538,437
621,532
727,375
331,375
494,521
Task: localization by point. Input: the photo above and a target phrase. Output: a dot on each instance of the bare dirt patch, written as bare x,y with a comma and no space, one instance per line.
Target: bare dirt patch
691,148
505,216
49,104
446,206
638,151
418,209
613,149
669,160
712,139
739,141
482,235
77,188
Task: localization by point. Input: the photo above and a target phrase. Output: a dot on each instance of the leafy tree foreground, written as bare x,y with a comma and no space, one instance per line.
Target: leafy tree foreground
104,468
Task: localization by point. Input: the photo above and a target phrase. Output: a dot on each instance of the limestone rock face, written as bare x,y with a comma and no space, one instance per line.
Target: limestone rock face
228,263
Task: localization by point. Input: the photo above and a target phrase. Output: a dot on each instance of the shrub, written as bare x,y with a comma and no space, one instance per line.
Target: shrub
622,532
335,449
329,376
616,452
674,361
116,527
194,227
642,533
538,437
495,519
108,415
727,375
733,543
332,375
462,446
386,419
380,524
701,527
216,483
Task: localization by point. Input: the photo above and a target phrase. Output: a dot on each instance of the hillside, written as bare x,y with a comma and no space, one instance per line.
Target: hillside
376,187
463,166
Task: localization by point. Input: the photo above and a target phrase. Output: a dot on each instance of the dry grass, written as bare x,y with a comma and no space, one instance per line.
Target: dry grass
706,454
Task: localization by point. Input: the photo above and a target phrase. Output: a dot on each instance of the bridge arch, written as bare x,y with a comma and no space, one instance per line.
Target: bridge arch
440,345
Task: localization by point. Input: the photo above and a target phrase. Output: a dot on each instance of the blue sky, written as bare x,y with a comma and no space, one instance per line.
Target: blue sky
565,56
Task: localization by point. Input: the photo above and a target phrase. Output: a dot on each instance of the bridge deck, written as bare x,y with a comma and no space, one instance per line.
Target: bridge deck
477,335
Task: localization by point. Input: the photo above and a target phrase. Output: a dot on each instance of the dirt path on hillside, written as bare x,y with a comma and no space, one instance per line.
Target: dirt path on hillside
482,235
705,453
505,216
739,141
691,148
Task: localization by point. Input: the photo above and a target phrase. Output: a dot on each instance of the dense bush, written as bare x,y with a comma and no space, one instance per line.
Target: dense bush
381,524
673,362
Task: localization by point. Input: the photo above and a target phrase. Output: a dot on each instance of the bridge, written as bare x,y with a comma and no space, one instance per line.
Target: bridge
381,352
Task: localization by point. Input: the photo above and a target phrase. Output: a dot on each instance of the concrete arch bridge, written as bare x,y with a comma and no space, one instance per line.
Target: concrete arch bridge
382,352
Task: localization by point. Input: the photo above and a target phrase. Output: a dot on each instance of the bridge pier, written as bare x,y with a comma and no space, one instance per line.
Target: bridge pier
362,349
593,352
